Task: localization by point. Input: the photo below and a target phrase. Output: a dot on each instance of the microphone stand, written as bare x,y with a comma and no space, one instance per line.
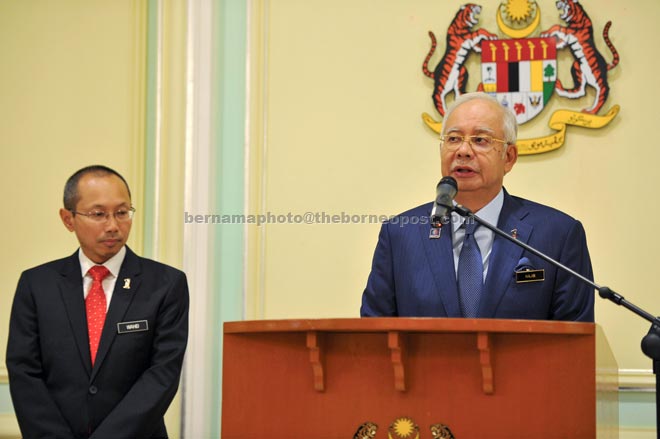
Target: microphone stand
650,342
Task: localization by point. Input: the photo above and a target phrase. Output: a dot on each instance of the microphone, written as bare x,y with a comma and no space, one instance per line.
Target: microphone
443,204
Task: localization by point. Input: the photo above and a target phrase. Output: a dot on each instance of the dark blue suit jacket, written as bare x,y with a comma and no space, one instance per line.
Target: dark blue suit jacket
55,390
414,276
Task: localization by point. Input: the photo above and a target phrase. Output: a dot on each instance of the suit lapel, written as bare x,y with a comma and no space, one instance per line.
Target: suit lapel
504,256
71,291
440,256
122,296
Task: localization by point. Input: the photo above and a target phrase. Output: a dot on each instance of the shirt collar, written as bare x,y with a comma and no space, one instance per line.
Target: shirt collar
489,213
113,264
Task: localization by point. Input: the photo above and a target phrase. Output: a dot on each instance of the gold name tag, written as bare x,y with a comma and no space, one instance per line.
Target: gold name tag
530,276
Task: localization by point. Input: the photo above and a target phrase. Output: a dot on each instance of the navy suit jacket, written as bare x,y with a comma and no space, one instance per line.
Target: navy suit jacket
414,276
55,390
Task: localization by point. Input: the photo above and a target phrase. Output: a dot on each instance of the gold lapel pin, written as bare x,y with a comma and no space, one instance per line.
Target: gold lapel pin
514,233
127,283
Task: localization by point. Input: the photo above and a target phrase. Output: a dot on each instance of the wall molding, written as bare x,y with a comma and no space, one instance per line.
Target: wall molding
201,357
641,380
637,433
629,379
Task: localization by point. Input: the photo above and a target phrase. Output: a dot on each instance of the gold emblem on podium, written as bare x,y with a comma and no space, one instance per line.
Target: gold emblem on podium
403,428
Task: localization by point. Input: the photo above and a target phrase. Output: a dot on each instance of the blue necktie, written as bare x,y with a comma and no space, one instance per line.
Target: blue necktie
470,272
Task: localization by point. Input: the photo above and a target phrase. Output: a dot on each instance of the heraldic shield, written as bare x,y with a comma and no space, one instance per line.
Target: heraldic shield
521,73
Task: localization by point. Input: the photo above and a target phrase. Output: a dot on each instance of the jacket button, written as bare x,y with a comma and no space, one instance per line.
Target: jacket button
93,390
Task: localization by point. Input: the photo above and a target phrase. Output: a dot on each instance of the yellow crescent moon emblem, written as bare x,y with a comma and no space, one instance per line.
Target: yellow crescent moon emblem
519,33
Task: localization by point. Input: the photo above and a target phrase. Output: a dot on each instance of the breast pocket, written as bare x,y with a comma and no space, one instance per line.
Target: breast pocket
134,338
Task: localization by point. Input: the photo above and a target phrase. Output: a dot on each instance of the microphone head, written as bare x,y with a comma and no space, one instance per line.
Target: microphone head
448,182
445,193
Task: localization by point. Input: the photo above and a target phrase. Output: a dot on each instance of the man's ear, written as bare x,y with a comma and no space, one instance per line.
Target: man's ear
67,219
510,157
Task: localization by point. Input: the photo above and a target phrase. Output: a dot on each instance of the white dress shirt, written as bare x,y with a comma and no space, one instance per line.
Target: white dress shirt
113,265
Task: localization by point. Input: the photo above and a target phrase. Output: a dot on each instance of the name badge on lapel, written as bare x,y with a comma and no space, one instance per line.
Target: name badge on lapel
136,326
525,276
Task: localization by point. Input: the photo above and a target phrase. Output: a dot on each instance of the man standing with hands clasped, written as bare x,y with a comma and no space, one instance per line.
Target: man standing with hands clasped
97,339
467,271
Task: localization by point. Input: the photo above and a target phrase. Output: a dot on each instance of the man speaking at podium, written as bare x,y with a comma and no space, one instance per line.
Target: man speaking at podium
465,270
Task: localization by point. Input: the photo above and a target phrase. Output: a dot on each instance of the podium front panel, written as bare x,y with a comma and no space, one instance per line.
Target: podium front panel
476,378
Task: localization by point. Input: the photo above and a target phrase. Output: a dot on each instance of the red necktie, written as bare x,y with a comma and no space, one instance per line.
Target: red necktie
95,305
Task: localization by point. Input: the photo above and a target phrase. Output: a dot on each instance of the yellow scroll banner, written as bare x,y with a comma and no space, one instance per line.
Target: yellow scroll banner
558,122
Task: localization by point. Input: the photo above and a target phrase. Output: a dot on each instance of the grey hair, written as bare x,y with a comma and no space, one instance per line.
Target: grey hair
71,195
509,122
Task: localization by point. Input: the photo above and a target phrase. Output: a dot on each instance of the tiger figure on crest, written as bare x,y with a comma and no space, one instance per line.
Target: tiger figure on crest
450,74
589,67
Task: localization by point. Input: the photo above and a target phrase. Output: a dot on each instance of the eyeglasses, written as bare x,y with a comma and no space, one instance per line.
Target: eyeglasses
99,216
478,142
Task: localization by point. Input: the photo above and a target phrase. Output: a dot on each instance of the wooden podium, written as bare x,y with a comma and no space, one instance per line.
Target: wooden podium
468,378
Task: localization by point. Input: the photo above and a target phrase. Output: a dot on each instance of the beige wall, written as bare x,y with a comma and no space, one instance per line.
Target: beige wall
72,95
343,97
73,87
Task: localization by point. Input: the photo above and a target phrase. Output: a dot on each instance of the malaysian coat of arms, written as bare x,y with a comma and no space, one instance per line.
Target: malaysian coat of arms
521,70
403,428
